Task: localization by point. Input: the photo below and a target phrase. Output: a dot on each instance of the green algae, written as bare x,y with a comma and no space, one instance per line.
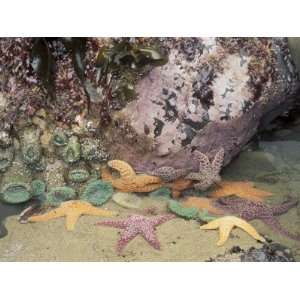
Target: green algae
161,192
204,216
97,192
184,212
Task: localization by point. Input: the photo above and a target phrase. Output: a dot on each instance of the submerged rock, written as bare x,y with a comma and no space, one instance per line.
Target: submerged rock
92,149
212,93
273,252
5,139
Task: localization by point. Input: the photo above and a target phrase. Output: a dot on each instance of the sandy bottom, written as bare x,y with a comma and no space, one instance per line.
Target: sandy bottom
181,240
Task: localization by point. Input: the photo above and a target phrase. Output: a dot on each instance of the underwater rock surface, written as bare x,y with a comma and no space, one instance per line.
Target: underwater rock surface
212,93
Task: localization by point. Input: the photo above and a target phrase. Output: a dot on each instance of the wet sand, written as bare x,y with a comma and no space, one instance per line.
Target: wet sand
181,240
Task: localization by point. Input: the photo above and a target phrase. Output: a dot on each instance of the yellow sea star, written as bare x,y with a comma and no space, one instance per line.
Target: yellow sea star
72,210
129,181
226,224
243,189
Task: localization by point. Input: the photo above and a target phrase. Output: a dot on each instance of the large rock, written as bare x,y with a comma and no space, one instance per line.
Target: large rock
212,93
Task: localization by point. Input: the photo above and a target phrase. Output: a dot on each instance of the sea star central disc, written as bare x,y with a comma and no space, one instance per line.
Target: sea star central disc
138,224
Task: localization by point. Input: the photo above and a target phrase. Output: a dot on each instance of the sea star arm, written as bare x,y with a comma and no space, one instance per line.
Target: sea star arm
150,237
71,220
224,232
224,229
126,236
123,167
94,211
249,229
113,223
204,163
53,214
218,161
194,176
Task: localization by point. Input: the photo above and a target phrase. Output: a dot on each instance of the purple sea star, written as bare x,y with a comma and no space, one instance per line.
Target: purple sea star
138,224
208,172
169,174
249,210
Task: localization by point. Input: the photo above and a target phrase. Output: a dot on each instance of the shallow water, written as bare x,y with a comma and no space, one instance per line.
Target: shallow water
272,162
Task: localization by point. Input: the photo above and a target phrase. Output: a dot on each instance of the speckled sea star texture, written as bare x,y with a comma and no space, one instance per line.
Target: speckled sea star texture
226,224
72,210
208,173
129,181
250,210
243,189
168,174
135,225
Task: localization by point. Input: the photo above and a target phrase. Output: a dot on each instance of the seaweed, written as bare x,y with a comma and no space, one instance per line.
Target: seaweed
42,64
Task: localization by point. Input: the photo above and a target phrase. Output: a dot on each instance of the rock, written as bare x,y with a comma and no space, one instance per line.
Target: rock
272,252
212,93
268,253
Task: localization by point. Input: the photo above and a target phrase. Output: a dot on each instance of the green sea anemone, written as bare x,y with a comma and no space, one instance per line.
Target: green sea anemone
38,187
72,151
59,138
78,175
97,192
15,186
59,194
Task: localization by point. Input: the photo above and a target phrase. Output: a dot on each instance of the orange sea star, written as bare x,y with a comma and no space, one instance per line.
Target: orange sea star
129,181
243,189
